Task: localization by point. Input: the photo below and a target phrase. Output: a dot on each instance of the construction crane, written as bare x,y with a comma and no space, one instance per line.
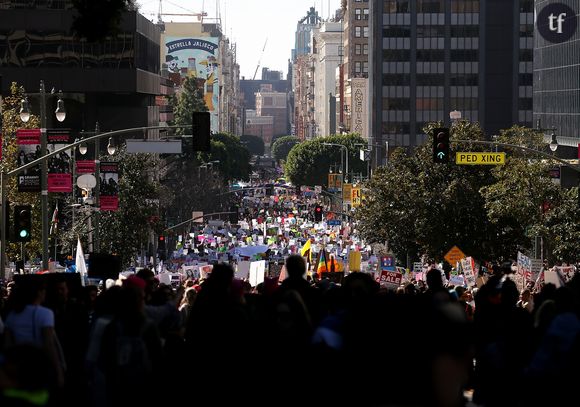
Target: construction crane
161,13
260,60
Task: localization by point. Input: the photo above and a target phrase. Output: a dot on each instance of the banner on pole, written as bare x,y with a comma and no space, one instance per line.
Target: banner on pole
109,188
59,175
28,141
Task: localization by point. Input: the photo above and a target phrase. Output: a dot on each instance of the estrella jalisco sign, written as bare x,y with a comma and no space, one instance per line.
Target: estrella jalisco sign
191,43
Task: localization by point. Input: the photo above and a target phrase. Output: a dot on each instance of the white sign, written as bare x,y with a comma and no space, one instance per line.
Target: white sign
467,267
257,272
417,267
243,271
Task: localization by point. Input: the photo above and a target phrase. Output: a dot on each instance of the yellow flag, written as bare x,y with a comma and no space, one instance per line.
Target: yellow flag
305,248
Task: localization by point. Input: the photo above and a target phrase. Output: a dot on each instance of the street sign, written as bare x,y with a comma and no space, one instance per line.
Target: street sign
154,146
346,192
355,197
334,222
468,158
454,255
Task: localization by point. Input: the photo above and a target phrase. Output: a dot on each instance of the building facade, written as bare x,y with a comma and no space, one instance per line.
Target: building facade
431,57
557,72
356,64
274,104
260,126
326,51
113,82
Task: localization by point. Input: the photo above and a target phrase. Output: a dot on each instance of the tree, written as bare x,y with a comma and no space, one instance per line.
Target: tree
254,144
126,231
282,146
97,20
308,162
233,156
489,212
189,100
11,123
562,228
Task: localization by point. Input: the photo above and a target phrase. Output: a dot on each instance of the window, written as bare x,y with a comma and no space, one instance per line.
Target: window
395,31
465,31
464,55
365,67
431,79
357,67
430,55
396,79
396,55
365,14
358,49
358,32
426,31
358,14
430,6
365,49
525,79
365,32
465,6
396,6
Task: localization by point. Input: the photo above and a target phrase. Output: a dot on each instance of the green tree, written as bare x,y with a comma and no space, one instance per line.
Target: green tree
562,228
189,100
11,123
254,144
126,231
233,156
282,146
428,208
308,162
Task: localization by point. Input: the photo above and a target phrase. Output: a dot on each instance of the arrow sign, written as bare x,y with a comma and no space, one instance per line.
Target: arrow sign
441,155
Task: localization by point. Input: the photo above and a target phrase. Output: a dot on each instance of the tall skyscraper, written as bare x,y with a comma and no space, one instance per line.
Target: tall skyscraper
431,57
557,71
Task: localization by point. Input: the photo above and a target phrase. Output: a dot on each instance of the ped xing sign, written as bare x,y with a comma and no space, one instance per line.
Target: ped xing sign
468,158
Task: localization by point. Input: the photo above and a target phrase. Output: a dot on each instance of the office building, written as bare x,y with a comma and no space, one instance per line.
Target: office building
431,57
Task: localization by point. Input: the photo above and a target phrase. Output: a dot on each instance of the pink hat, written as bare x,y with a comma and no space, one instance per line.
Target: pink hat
134,281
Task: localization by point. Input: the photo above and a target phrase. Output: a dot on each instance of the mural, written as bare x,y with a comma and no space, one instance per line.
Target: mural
197,58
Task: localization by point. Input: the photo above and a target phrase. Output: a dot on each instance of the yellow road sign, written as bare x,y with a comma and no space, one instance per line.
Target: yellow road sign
454,255
346,192
468,158
355,197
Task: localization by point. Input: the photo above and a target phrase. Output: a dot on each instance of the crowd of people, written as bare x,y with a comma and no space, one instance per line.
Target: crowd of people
301,340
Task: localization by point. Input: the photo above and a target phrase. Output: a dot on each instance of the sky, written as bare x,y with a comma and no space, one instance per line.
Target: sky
249,24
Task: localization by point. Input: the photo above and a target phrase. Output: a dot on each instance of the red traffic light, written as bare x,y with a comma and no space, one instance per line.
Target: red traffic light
161,238
318,209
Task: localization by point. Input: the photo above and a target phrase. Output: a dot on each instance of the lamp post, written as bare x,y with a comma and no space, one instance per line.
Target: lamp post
345,150
60,114
549,132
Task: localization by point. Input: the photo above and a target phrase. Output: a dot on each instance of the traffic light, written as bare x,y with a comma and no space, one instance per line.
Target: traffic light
318,213
161,248
201,131
441,145
234,215
22,223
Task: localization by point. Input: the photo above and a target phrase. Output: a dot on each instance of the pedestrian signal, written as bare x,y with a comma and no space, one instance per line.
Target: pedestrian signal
441,145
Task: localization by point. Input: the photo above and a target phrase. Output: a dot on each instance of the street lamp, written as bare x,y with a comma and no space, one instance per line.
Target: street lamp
60,114
111,148
554,142
345,150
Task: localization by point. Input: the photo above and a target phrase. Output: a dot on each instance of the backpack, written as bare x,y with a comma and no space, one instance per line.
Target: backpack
132,360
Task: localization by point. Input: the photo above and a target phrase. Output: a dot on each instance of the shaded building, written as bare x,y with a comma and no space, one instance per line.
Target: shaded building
557,73
431,57
275,104
113,82
259,126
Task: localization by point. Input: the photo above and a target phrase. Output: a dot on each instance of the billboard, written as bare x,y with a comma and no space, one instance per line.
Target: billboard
28,150
59,174
196,58
109,188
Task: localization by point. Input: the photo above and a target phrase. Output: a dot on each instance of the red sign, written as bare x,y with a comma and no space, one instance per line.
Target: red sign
86,166
390,278
109,187
59,183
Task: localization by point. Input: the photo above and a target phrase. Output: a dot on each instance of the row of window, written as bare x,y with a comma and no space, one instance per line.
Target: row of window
361,49
361,32
361,14
432,31
438,79
361,67
437,6
456,55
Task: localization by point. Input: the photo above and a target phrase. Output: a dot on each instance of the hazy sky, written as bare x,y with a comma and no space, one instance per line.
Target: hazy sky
249,23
